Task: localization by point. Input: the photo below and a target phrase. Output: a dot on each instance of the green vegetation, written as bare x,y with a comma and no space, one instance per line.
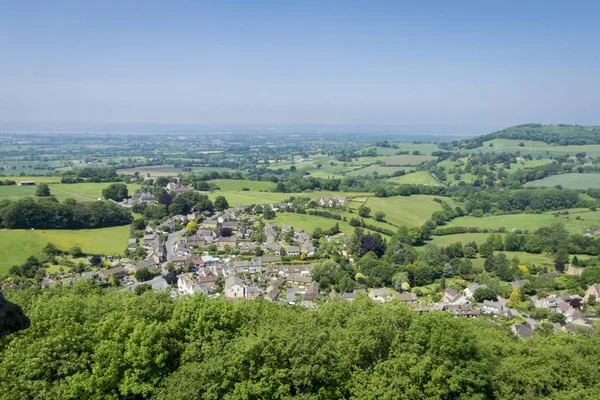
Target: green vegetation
415,178
407,160
16,245
409,211
569,180
151,346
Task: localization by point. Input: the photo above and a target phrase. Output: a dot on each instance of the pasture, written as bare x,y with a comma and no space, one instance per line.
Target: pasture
536,148
231,185
570,181
153,170
407,160
380,169
415,178
589,221
405,210
82,192
16,245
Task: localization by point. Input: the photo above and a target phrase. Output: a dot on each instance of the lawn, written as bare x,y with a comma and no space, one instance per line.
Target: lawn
415,178
154,170
407,160
405,210
16,245
380,169
570,181
231,185
589,220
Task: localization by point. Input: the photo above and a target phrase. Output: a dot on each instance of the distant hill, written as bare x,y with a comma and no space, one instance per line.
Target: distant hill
562,135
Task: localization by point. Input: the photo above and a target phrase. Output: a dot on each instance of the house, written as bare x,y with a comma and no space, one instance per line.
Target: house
147,198
223,242
407,298
492,307
119,271
26,183
313,291
574,271
462,310
470,291
292,251
209,224
272,292
518,284
176,188
252,292
299,278
380,295
196,240
269,259
522,330
151,239
451,296
234,288
247,247
593,290
233,225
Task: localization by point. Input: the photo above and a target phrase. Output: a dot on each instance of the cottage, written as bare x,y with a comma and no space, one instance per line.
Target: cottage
233,225
407,298
252,292
118,271
451,296
313,291
234,288
522,330
462,310
593,290
223,242
299,279
380,295
292,251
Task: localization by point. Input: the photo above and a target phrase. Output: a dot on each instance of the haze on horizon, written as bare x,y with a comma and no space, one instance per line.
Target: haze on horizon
270,62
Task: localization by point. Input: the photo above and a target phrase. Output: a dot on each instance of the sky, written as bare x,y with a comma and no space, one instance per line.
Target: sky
459,63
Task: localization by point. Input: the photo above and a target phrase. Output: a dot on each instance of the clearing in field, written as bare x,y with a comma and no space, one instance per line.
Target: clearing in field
570,181
17,244
407,160
405,210
588,221
415,178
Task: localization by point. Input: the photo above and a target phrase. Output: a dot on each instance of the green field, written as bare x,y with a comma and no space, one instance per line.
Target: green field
231,185
415,178
405,210
589,220
536,148
79,191
461,237
310,222
16,245
407,160
380,169
424,148
154,170
570,181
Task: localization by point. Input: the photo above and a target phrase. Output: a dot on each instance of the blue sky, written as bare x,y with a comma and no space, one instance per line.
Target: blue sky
323,62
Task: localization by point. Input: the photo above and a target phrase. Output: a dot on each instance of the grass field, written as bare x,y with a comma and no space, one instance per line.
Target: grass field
231,185
79,191
461,237
589,220
16,245
424,148
415,178
409,210
407,160
154,170
380,169
570,181
538,148
310,222
255,197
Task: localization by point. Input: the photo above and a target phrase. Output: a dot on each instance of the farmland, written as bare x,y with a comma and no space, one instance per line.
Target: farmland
231,185
589,221
407,160
400,210
536,148
570,181
153,170
17,245
415,178
79,191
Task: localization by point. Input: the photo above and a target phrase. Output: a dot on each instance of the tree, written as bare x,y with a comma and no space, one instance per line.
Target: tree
226,232
116,191
469,251
364,211
144,287
142,274
268,213
76,252
113,280
355,246
191,227
486,250
515,298
281,188
42,190
379,216
220,203
482,294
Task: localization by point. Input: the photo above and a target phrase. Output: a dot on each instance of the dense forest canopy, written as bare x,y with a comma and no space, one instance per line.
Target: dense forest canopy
92,343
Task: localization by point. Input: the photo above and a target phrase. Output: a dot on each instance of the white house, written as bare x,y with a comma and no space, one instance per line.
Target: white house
380,295
234,287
